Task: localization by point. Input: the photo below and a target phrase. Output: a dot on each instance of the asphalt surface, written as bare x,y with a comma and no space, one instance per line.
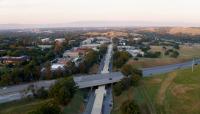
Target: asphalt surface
12,92
167,68
90,102
17,92
98,79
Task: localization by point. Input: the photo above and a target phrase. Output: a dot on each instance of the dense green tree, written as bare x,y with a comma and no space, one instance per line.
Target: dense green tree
63,90
48,74
120,58
41,93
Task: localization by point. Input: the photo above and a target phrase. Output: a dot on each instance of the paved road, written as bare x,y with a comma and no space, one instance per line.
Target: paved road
108,101
12,92
17,92
167,68
98,79
90,102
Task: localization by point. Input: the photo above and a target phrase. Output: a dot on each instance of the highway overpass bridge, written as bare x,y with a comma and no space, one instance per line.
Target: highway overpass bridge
97,79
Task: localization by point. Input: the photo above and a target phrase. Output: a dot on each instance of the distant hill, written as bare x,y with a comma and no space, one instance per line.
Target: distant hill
173,30
188,30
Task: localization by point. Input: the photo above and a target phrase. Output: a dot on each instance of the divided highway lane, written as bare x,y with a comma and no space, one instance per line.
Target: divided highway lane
17,92
12,92
167,68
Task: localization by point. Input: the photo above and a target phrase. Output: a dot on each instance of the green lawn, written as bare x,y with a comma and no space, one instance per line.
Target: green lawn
177,92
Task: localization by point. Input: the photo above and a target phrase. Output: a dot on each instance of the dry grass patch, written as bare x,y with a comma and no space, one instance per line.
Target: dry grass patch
180,89
165,84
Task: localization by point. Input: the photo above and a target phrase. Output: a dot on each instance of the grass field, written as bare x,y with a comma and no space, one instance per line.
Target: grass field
177,92
24,106
186,53
20,107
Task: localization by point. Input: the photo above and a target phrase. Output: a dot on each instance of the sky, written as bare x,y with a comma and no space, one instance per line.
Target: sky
66,11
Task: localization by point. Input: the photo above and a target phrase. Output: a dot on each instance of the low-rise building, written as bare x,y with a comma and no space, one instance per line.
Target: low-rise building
91,46
13,60
87,41
45,40
71,54
136,52
60,40
45,46
57,66
125,48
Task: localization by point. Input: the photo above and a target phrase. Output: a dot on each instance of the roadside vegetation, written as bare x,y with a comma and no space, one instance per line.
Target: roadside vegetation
120,58
132,79
62,97
169,93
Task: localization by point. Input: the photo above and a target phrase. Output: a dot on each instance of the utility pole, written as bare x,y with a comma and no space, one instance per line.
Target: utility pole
193,65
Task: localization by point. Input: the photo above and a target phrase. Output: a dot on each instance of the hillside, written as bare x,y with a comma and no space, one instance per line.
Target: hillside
190,31
173,30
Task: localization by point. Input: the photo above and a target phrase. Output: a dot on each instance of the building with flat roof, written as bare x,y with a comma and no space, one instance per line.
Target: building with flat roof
60,40
13,60
57,66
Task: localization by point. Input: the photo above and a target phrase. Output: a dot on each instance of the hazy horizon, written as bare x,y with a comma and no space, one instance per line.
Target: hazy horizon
151,12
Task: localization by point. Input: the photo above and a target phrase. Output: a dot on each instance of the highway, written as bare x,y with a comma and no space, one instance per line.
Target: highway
101,92
13,92
17,92
98,79
167,68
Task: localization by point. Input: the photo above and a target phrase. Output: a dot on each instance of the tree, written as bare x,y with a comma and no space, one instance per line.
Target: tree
63,90
176,46
103,49
117,88
130,107
127,69
135,79
70,68
120,58
41,93
5,79
175,54
48,71
47,108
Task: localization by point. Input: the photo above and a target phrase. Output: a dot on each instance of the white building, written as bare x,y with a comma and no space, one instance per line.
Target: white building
136,52
45,40
57,66
87,41
60,40
125,47
92,46
44,46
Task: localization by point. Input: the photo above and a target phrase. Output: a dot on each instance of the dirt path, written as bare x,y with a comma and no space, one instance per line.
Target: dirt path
165,84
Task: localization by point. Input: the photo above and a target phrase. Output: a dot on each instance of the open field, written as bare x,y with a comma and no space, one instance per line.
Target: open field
186,53
25,106
176,92
20,107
